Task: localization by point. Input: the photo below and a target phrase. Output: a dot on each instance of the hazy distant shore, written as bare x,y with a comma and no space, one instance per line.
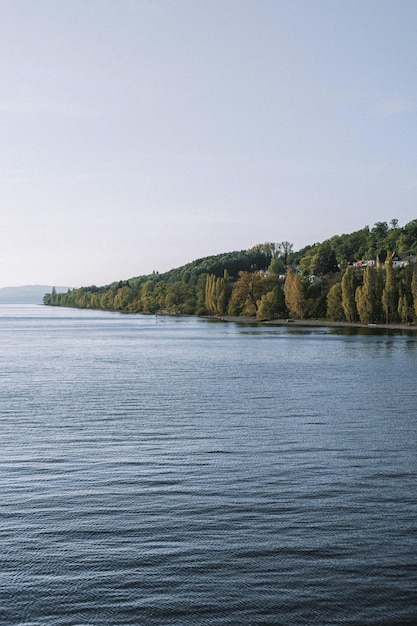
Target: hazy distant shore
26,294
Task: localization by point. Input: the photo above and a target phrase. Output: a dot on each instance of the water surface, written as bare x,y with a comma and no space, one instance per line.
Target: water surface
174,471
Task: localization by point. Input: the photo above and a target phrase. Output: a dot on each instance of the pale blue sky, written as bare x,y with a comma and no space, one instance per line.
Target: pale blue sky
139,135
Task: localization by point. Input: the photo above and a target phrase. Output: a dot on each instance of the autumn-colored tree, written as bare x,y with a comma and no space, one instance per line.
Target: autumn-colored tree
81,299
107,299
249,289
122,298
94,301
217,292
294,294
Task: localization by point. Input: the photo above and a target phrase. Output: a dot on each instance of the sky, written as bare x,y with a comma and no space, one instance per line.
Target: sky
139,135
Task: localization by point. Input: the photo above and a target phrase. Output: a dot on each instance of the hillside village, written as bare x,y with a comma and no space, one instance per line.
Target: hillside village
396,260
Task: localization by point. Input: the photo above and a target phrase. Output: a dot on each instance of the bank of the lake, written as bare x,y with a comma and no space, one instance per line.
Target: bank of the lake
412,328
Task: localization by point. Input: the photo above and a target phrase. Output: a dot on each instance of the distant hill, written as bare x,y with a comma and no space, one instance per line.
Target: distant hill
27,294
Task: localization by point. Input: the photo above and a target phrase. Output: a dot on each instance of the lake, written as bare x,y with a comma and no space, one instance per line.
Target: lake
178,471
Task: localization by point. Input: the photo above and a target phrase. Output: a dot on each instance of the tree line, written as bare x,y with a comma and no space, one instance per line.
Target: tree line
271,281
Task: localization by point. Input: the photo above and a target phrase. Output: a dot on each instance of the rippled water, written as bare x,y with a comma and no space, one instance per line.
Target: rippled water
176,471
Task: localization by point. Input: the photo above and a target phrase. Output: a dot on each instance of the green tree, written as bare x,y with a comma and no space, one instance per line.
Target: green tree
222,293
390,293
146,296
369,296
414,291
277,266
200,295
350,283
324,260
159,294
380,231
404,309
362,305
315,295
272,304
179,299
334,303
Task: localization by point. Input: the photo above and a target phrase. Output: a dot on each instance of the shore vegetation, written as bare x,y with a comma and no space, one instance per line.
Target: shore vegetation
368,276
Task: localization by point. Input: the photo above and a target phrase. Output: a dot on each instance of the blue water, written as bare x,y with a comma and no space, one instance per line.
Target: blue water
178,471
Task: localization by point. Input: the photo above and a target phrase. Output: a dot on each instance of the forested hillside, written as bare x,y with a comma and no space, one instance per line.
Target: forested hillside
369,275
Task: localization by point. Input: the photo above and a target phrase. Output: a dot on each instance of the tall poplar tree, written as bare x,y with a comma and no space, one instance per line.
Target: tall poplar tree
217,293
349,285
414,291
390,293
404,309
210,294
200,295
369,296
294,294
334,303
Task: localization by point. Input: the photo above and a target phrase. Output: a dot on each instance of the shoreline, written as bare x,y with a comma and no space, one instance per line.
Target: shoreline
312,323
